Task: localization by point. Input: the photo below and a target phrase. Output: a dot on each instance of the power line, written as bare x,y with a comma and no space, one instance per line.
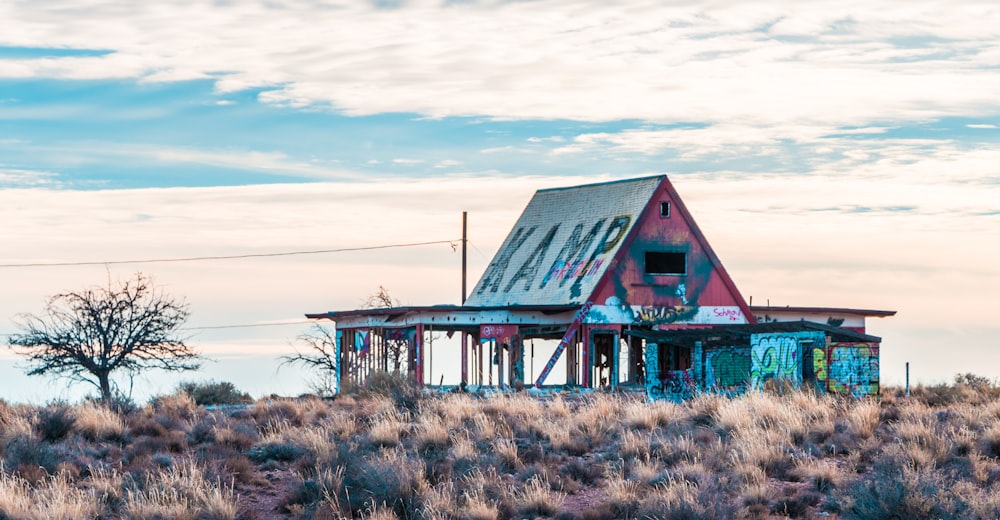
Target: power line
214,327
249,325
452,243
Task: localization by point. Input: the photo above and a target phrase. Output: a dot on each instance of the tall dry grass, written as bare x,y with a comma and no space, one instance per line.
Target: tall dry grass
400,453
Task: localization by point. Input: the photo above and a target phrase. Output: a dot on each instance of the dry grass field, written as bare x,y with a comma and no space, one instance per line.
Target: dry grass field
392,452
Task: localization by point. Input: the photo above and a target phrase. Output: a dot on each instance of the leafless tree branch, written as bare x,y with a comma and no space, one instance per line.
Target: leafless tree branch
87,335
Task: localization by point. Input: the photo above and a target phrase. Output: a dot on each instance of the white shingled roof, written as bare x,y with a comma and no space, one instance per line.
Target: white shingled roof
562,244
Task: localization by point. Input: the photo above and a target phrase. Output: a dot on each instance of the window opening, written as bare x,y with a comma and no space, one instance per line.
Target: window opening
661,263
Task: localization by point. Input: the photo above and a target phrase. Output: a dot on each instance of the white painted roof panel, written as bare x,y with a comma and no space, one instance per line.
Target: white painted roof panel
562,244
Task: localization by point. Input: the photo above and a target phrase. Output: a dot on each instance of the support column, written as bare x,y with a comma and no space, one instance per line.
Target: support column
653,372
517,361
588,358
418,355
465,358
571,362
698,366
616,358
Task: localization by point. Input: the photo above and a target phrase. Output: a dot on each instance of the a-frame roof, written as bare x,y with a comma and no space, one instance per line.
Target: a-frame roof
563,244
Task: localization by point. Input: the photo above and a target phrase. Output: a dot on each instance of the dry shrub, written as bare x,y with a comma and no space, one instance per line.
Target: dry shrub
477,506
647,471
822,476
183,492
623,494
558,408
30,457
769,450
649,416
178,408
895,488
921,443
440,502
863,418
239,436
431,433
104,483
52,499
990,440
268,412
376,512
635,444
454,409
15,425
317,440
462,447
99,423
506,452
536,498
732,415
343,425
674,500
388,477
387,428
485,495
54,422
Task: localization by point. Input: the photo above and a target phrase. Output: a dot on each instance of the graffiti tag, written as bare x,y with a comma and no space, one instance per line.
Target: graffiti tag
664,314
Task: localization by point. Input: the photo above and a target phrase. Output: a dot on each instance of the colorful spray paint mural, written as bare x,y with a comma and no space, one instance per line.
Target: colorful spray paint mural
727,369
779,355
853,369
672,385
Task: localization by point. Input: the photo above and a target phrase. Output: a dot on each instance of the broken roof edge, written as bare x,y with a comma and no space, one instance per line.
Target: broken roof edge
604,183
874,313
463,309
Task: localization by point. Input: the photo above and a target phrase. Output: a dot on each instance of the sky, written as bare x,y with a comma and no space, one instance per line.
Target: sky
835,153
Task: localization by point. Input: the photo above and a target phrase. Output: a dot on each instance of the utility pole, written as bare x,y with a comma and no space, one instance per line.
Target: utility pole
465,243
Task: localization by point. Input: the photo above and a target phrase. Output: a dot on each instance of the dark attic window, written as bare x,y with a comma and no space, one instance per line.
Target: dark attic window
662,263
665,209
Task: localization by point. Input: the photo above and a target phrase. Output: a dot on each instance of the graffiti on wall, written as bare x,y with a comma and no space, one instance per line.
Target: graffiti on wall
614,311
853,369
779,356
819,368
532,261
673,385
664,314
727,369
500,333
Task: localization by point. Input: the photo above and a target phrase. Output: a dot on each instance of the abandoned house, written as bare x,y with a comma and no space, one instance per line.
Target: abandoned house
623,290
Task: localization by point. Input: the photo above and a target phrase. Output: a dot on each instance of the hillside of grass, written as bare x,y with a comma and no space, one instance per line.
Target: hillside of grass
392,451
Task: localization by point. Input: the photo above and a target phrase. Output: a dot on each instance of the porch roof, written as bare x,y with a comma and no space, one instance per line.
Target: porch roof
732,334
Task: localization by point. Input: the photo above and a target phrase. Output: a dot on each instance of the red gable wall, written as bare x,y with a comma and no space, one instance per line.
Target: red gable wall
705,295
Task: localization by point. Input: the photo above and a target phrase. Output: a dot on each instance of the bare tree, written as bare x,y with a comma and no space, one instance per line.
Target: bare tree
395,347
380,300
86,336
321,355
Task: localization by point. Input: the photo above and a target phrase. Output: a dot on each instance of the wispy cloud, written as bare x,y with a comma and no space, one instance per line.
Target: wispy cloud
758,64
15,178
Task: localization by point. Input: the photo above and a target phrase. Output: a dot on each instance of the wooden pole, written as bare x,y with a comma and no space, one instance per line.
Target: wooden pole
465,243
